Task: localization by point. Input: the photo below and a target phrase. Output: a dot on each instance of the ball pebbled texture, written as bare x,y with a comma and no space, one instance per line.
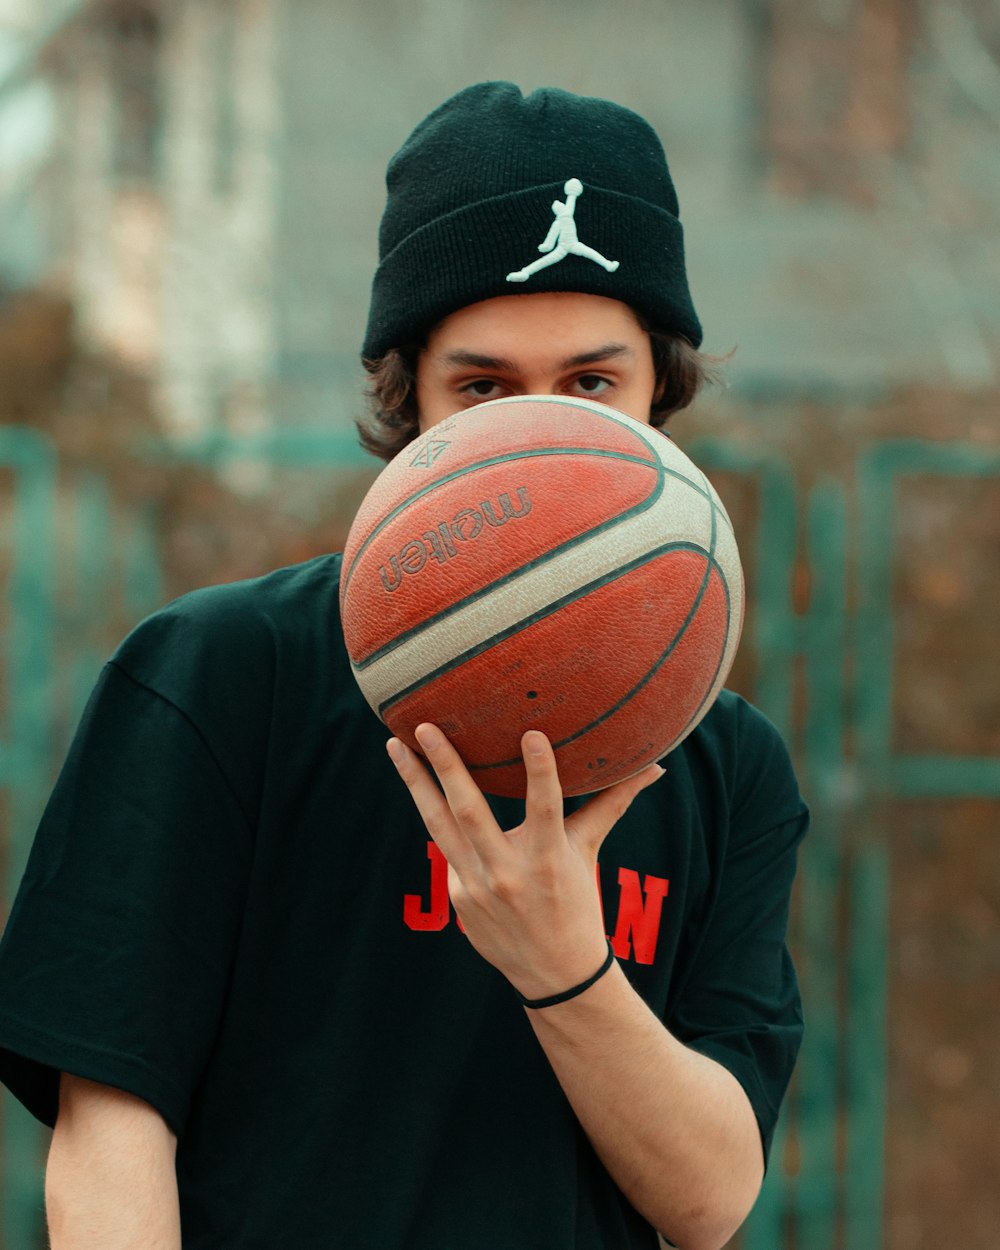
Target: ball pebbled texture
543,562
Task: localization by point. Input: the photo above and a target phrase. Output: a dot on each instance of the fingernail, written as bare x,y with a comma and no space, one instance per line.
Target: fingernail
429,737
534,743
395,750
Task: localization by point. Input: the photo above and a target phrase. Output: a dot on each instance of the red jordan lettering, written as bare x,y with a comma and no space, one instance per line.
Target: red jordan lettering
437,914
637,925
639,910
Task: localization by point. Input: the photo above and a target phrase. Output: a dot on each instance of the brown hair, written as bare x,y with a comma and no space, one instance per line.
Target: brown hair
392,419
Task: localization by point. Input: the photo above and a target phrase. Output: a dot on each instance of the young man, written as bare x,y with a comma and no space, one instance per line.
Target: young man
292,1007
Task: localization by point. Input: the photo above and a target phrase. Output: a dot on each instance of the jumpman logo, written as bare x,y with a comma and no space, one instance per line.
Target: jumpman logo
561,240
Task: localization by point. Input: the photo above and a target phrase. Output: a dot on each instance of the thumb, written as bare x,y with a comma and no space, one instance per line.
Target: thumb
589,826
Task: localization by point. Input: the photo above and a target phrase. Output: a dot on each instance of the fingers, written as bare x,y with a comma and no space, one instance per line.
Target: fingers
543,803
461,823
430,803
461,814
464,797
595,820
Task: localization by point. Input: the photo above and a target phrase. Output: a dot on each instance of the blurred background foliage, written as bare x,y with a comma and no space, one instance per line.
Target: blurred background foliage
189,197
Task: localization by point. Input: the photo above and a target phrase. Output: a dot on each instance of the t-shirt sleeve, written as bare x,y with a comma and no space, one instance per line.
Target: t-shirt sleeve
741,1004
115,959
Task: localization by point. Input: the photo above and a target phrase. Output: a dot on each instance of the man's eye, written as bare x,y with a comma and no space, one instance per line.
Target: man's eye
482,388
592,384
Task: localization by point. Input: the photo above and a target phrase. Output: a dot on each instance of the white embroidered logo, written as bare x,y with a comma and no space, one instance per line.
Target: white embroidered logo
561,240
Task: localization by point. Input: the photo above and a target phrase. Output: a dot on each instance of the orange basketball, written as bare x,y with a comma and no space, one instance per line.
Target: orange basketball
543,563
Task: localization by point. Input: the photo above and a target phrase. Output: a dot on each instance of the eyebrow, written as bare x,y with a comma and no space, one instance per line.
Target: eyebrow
459,358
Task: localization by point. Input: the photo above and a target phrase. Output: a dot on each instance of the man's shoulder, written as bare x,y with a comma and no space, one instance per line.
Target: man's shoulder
243,614
735,724
237,634
738,746
276,595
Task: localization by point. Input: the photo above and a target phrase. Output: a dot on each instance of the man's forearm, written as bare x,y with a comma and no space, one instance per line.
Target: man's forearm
674,1128
110,1180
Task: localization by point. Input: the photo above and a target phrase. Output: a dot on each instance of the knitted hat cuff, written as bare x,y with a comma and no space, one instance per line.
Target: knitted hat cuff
464,257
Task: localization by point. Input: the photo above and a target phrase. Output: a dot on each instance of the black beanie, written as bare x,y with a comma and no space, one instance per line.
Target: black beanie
490,176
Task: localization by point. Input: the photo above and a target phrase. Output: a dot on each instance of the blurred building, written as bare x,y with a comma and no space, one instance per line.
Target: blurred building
211,191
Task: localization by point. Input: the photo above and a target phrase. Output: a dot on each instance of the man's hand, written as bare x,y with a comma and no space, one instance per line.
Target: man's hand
674,1128
527,897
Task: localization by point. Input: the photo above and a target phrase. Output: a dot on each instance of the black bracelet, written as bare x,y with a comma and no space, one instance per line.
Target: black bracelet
566,995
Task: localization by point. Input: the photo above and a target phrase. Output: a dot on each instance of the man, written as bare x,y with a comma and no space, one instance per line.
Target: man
286,1016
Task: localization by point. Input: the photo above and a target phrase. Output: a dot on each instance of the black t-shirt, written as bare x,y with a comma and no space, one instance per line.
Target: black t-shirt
233,911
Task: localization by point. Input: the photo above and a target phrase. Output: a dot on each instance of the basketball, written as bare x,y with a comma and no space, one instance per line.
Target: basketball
548,563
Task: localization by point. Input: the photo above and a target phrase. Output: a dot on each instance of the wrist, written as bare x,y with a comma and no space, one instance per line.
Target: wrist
537,1002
